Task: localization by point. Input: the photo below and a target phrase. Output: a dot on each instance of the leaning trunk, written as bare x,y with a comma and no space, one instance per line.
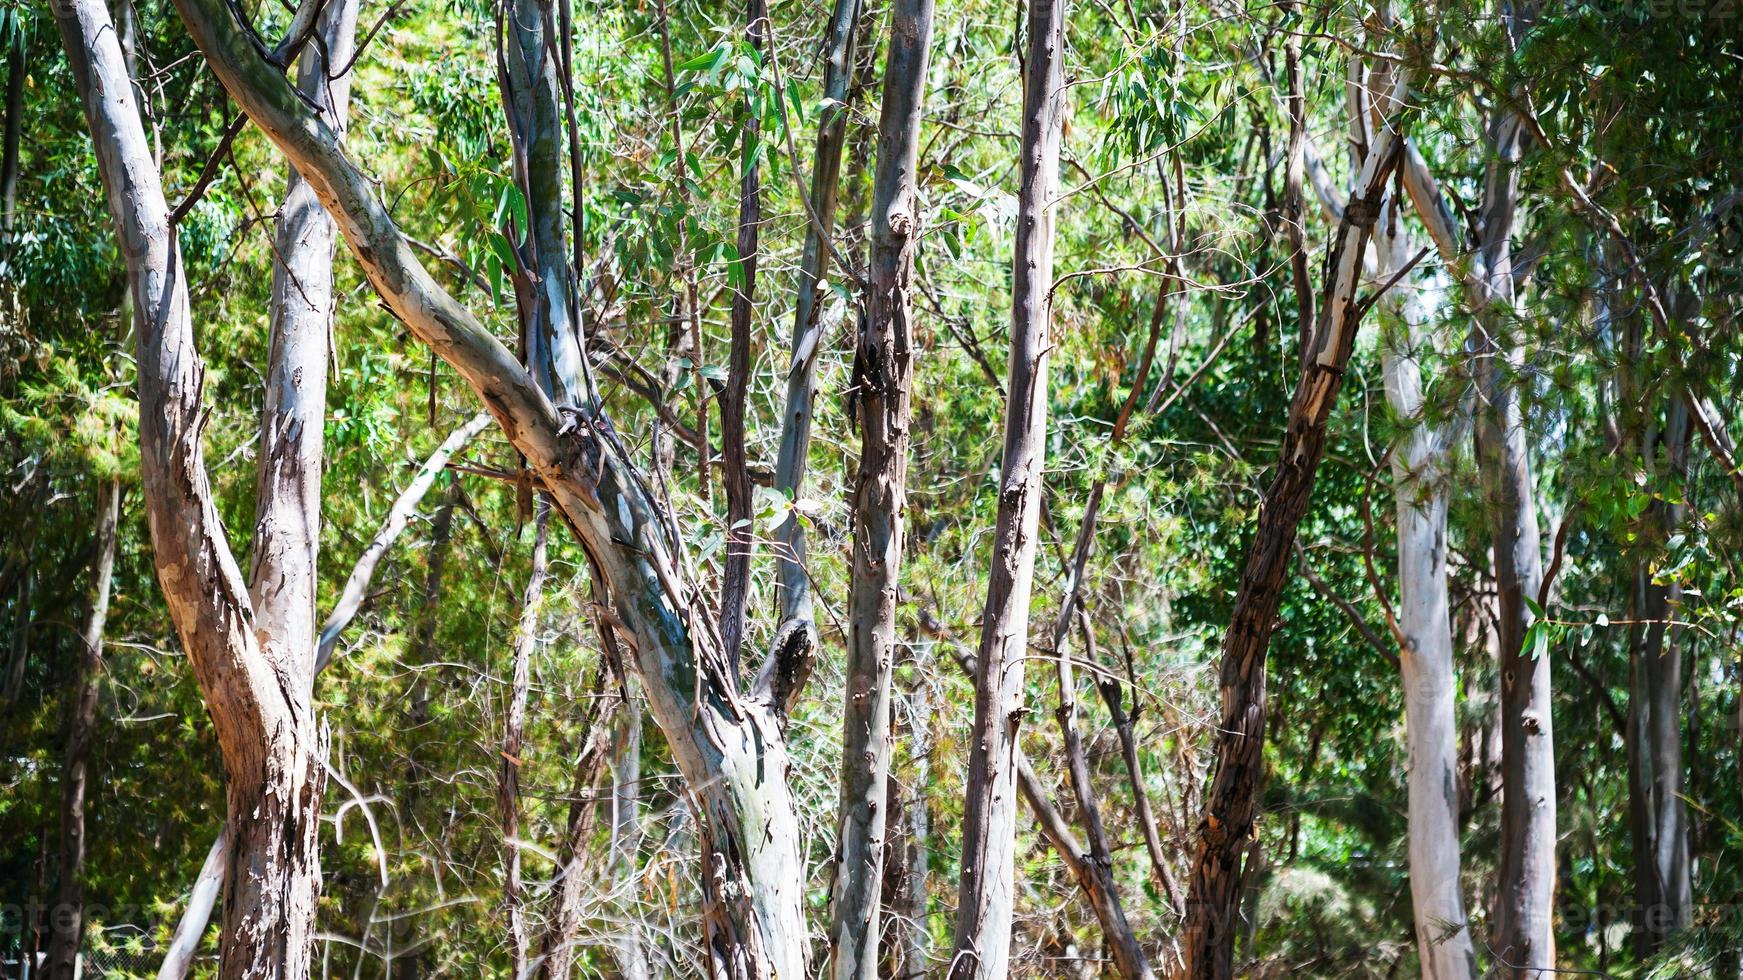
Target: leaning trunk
883,386
178,959
63,949
1231,806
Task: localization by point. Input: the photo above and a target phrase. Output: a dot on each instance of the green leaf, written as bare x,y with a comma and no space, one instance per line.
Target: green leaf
1537,640
504,250
707,60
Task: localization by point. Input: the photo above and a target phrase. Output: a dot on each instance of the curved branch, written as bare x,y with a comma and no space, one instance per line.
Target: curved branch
398,516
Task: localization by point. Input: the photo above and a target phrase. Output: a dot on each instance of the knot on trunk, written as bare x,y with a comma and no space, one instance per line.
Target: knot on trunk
1362,212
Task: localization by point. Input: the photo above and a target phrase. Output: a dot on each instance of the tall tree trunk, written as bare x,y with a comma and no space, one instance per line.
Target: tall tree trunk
796,640
734,441
526,639
69,907
1231,806
986,897
287,531
1524,944
1657,813
265,819
883,380
1421,467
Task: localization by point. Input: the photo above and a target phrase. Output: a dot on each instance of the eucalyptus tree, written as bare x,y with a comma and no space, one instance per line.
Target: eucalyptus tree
1485,267
883,382
1231,804
1422,481
986,897
252,645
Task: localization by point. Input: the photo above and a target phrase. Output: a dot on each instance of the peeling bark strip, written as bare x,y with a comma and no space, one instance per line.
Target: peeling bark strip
729,747
63,949
883,381
1232,803
986,896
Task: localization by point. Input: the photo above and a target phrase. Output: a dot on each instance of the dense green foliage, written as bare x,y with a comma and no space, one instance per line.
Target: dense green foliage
1639,101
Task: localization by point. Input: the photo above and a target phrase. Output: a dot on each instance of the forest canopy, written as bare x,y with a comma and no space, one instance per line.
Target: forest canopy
644,488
